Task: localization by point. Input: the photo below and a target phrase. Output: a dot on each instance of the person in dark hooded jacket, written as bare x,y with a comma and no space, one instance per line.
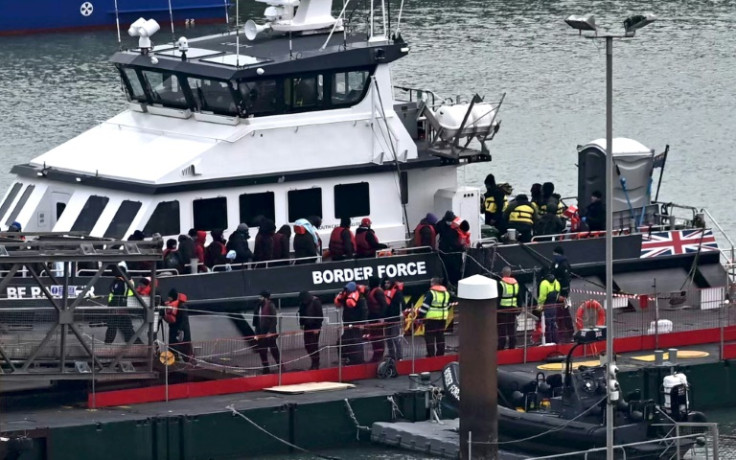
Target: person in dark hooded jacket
549,222
311,317
536,196
281,240
186,250
366,241
199,237
449,239
215,252
304,246
263,246
238,242
493,203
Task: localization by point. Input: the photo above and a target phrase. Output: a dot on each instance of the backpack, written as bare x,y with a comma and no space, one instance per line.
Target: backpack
172,260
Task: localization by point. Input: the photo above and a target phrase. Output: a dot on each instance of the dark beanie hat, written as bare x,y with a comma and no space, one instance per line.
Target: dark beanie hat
490,180
558,250
305,296
265,294
173,294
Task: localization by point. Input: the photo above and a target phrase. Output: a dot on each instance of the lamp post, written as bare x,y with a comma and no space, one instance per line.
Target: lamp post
631,24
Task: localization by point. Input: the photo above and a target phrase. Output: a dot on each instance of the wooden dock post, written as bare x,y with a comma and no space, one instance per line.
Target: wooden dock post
478,362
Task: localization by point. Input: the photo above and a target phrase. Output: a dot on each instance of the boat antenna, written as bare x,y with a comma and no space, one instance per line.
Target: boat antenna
383,17
237,33
117,23
171,19
372,18
344,27
398,22
388,26
334,26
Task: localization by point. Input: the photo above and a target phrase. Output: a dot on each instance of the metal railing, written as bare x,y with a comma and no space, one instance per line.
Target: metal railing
671,445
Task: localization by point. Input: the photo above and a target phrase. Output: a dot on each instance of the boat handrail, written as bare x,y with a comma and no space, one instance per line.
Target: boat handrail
718,226
580,235
419,92
160,271
264,263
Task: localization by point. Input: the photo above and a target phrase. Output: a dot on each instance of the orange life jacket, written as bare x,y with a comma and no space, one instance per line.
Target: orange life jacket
172,308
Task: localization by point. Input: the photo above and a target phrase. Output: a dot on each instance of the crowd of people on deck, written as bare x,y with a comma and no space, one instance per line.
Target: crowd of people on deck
540,213
372,313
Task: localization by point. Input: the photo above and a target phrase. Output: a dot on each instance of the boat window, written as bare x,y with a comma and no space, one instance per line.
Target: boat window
349,87
212,96
352,200
9,199
133,87
210,213
165,89
91,211
303,92
122,219
60,207
259,97
19,205
255,205
164,220
305,203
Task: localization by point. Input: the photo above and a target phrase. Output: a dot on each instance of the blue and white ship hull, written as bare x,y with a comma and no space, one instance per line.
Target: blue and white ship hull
67,15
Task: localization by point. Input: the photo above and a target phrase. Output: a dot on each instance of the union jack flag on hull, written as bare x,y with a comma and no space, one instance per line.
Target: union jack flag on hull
677,242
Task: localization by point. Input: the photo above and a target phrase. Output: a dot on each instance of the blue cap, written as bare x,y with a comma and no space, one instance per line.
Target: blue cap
351,286
15,225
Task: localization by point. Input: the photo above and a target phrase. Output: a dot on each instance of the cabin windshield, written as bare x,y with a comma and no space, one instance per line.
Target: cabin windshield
133,85
165,89
259,97
212,96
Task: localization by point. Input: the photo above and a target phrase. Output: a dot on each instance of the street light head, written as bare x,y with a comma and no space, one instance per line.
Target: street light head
633,23
581,23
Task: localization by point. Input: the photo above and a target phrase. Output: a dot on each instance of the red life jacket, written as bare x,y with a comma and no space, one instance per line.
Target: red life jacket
418,236
336,245
172,308
362,247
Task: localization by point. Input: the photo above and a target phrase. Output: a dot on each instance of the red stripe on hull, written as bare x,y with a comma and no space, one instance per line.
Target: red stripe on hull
368,371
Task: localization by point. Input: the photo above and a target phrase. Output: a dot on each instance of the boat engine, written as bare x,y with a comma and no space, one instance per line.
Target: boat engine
676,398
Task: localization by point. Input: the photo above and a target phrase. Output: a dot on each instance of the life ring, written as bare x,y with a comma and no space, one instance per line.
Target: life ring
590,305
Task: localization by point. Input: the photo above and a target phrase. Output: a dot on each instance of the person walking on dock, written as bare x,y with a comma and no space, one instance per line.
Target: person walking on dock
563,272
507,309
548,301
311,317
177,317
265,324
435,310
120,290
394,292
377,308
354,312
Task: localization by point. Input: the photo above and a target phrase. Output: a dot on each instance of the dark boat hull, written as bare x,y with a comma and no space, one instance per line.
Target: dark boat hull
234,290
